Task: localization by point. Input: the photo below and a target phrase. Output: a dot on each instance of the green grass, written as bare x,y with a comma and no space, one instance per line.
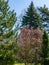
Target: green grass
19,64
23,64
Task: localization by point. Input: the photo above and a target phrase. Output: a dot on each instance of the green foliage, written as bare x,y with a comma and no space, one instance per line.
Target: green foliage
8,36
6,54
45,44
44,12
6,16
45,47
31,18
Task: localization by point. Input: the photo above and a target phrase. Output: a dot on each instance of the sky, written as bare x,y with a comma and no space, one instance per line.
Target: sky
20,5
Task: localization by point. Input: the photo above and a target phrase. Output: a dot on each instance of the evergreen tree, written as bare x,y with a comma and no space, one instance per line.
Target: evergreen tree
44,12
45,48
7,34
31,17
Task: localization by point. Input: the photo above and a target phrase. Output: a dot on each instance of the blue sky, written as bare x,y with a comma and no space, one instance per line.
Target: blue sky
20,5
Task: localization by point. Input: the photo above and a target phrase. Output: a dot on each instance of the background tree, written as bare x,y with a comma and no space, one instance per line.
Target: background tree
44,12
31,18
7,34
45,48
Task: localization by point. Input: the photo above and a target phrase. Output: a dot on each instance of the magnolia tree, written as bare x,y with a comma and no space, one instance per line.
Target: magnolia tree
30,42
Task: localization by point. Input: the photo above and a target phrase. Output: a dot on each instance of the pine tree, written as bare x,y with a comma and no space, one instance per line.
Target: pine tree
45,47
44,12
31,17
7,34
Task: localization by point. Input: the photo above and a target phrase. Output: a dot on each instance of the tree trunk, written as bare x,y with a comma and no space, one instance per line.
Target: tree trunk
36,62
25,63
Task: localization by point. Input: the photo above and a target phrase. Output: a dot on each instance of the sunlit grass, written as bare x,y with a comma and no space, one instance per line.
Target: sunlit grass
23,64
19,64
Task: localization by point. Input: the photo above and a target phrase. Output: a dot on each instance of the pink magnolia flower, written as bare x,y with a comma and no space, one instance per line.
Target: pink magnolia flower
30,35
29,40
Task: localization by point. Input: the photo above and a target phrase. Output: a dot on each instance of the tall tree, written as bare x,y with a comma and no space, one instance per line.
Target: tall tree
44,12
7,34
45,47
31,18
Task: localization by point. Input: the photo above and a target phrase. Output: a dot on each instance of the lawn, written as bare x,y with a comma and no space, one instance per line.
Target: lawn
19,64
23,64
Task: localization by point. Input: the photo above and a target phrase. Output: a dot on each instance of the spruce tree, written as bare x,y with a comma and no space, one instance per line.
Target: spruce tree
44,12
7,34
31,18
45,48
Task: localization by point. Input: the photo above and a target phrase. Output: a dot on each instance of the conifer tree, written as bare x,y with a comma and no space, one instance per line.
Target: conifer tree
7,34
44,12
31,18
45,47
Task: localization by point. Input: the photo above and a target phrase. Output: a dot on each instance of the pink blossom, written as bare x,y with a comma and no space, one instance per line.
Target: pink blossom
30,35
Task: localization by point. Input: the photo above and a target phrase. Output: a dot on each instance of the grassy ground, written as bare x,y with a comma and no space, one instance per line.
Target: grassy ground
23,64
19,64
